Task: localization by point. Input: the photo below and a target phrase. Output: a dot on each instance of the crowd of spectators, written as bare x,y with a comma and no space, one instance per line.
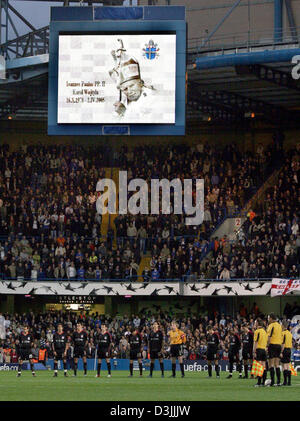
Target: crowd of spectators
268,244
49,227
43,326
230,179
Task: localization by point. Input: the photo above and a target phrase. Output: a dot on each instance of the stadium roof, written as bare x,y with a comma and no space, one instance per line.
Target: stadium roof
227,83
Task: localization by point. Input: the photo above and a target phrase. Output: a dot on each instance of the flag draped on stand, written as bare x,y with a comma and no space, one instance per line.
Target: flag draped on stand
257,369
284,286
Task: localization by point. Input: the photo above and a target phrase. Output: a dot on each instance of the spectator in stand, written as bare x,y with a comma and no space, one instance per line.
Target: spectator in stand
48,218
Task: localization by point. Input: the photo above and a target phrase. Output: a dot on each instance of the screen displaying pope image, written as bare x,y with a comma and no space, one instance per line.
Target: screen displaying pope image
117,79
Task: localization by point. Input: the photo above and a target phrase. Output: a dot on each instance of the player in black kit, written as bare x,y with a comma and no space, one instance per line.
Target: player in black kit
24,345
234,345
59,347
212,340
155,347
135,344
79,339
104,349
247,348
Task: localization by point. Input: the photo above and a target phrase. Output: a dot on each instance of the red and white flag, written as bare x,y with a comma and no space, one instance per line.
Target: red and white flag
284,286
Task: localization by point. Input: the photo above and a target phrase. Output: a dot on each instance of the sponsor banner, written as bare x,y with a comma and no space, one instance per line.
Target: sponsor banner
123,365
227,289
75,289
285,286
10,366
25,366
88,288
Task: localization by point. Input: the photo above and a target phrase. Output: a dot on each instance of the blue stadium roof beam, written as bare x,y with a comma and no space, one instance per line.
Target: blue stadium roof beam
239,59
292,24
278,5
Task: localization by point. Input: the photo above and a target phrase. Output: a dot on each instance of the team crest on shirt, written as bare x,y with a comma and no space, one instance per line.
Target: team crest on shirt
151,50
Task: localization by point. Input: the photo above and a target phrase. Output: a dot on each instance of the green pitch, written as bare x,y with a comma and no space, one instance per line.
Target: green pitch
195,386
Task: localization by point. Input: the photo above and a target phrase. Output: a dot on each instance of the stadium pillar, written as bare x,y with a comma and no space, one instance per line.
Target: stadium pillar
10,304
134,306
108,305
278,20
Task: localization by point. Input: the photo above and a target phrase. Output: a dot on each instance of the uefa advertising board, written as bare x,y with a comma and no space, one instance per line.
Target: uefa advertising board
117,70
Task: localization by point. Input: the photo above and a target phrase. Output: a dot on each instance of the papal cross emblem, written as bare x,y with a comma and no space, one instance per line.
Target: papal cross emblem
151,50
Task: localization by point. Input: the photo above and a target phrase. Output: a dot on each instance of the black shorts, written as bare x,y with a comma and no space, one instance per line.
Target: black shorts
286,356
135,354
274,351
211,354
103,353
176,350
261,355
59,354
155,355
79,352
24,354
233,355
247,354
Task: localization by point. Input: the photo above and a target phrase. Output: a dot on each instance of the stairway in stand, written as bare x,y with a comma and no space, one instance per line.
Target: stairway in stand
108,220
115,177
145,262
105,218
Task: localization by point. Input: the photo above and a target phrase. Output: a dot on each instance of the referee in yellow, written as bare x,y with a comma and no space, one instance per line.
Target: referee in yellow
286,352
274,332
260,341
177,339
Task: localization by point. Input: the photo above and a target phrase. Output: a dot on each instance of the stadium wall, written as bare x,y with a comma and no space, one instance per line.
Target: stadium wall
142,305
202,17
119,364
20,133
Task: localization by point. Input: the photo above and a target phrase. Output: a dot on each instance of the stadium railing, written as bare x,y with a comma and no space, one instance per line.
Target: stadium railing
245,40
134,279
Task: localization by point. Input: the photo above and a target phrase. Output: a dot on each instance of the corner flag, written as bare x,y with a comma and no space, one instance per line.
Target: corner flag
257,369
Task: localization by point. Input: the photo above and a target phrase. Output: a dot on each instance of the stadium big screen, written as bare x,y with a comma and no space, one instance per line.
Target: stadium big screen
120,72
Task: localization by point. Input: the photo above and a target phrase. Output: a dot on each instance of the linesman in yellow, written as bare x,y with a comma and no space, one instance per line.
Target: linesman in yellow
177,339
260,341
286,351
274,332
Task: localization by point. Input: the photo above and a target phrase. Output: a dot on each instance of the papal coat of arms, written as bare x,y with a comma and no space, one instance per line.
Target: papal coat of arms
151,51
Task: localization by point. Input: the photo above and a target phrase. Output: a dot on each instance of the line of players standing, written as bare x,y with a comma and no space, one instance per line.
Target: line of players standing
79,339
269,336
270,345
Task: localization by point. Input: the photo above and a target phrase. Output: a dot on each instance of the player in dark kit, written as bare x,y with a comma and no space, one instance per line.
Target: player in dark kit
212,340
25,343
234,345
135,344
59,347
79,339
104,349
155,347
247,348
